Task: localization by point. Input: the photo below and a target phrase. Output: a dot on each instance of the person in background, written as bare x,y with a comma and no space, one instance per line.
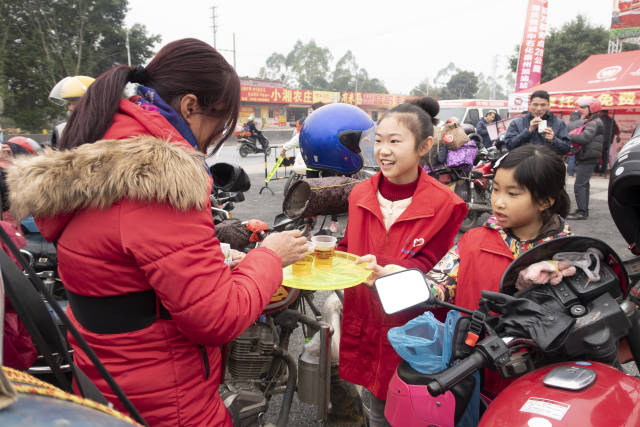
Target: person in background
575,121
481,127
128,201
530,129
399,216
590,139
256,133
611,130
67,91
294,142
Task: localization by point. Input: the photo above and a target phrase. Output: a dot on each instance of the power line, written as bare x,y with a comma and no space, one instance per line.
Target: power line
214,26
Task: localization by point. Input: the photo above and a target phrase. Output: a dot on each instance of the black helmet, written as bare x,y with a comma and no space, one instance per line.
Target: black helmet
468,128
624,193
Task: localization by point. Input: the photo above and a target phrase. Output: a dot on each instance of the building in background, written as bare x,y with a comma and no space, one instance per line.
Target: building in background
276,106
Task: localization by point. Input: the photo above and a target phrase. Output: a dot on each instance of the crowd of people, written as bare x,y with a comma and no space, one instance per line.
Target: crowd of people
135,166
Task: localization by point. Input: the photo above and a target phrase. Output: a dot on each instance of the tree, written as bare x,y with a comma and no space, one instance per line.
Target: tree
485,86
568,46
427,88
423,88
444,75
463,84
43,41
307,66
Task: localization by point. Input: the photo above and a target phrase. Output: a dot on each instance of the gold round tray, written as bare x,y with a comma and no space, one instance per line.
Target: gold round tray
339,272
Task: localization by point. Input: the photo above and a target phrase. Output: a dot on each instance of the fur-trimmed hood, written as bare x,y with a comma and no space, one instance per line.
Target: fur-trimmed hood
98,175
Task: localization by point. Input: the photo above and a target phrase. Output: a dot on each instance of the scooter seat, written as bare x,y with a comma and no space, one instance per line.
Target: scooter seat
462,391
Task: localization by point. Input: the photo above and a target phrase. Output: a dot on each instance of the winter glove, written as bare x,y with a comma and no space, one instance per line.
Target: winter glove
544,272
544,320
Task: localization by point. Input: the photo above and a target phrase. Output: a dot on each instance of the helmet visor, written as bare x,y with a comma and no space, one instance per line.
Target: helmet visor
367,142
69,89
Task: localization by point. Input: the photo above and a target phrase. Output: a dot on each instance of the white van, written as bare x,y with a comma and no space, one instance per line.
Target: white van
471,110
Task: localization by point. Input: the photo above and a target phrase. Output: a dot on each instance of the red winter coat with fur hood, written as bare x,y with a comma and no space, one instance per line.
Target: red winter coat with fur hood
133,214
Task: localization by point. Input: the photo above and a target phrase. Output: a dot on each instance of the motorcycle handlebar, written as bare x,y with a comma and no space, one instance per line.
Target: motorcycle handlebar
446,379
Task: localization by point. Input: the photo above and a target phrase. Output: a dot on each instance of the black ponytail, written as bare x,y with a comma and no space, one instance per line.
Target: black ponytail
94,113
179,68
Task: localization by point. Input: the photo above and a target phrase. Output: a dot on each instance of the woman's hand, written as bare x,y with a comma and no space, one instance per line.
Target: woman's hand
236,257
544,272
372,264
290,246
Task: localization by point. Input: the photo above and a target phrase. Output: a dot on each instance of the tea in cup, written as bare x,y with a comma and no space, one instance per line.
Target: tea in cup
325,247
303,266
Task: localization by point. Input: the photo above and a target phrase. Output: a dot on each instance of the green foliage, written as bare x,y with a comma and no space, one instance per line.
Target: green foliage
453,83
42,41
567,47
462,85
485,84
307,66
427,88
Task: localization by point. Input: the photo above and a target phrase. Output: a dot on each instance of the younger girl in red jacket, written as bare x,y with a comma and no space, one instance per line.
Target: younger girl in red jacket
399,216
529,203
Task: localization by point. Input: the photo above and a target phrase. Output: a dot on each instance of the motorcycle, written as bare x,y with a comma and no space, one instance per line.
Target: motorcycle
473,186
255,143
560,342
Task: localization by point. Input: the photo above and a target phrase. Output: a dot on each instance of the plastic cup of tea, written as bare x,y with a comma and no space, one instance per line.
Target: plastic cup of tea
226,251
303,266
325,247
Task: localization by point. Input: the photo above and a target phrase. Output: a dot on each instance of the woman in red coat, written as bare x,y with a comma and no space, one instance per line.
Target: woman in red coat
399,216
127,200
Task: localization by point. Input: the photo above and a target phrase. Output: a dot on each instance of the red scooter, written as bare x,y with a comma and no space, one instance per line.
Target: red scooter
560,342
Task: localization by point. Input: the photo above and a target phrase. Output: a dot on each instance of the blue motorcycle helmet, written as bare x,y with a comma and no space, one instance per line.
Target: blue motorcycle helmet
339,138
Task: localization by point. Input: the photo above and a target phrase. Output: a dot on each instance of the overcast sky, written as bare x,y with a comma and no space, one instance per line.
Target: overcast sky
400,42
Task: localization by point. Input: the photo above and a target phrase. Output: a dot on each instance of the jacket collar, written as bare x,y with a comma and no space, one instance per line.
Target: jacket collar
424,208
97,175
510,246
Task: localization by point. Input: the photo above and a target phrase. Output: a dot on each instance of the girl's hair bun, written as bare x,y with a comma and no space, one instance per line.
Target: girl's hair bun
428,104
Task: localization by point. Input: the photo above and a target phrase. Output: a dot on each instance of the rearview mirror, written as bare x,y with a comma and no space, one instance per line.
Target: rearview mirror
228,177
401,290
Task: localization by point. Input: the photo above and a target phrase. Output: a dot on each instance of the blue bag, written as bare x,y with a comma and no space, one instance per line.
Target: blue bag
425,342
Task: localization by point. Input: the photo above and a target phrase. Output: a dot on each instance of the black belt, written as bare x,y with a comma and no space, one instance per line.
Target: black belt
117,314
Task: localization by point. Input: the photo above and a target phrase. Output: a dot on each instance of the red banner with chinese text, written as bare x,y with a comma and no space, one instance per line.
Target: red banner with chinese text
608,99
532,47
278,95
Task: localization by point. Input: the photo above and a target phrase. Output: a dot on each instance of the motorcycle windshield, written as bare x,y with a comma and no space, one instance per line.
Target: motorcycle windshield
367,142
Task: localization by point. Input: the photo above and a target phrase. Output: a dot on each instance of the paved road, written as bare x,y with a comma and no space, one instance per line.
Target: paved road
266,206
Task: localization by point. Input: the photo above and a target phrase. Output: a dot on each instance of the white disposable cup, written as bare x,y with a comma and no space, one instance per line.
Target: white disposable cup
324,242
226,251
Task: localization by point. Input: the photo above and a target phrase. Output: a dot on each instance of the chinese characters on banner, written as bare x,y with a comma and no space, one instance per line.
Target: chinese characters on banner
279,95
608,100
532,48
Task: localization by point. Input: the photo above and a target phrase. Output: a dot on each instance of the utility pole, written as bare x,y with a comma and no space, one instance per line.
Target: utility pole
214,26
492,93
234,51
128,49
215,31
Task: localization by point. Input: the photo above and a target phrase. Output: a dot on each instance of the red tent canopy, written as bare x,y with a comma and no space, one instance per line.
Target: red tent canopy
612,78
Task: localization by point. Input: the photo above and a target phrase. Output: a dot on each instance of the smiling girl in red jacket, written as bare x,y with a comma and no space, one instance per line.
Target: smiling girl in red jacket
399,216
127,201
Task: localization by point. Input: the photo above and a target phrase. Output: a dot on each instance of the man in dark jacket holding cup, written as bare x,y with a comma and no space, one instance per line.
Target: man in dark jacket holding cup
538,126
